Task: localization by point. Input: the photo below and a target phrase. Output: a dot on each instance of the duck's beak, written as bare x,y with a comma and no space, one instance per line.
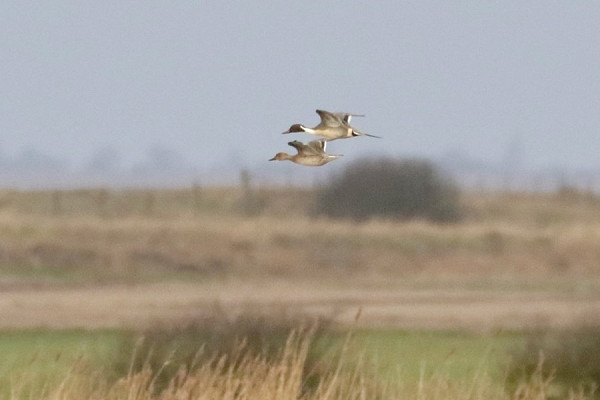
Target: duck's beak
272,159
283,133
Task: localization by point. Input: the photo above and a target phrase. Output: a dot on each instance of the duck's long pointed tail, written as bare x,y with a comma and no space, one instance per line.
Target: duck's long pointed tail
357,133
378,137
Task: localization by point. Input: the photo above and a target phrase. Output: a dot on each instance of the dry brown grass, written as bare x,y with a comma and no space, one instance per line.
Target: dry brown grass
114,306
516,257
504,236
247,376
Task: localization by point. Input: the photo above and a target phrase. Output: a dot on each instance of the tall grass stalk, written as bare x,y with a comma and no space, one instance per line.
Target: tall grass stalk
250,376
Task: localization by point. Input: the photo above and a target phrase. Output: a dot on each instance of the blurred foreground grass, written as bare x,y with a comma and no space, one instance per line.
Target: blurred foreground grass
37,360
72,365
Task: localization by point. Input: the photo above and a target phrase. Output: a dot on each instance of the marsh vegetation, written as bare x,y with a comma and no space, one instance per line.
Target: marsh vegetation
256,264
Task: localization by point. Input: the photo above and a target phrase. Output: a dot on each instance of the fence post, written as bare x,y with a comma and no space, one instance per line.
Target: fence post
102,202
247,198
196,198
149,203
57,207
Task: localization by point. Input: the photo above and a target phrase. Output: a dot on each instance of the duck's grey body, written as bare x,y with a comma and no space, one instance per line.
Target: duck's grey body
311,154
333,125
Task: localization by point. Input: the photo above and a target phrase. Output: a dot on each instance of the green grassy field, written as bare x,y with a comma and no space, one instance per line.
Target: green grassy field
32,359
458,356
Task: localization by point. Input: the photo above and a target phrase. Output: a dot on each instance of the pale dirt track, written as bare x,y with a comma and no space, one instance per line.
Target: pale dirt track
138,306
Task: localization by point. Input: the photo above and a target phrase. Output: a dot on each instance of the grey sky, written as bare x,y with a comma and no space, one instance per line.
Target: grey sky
219,81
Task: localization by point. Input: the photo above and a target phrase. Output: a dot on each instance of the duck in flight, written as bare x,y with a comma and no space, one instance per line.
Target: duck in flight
333,125
312,154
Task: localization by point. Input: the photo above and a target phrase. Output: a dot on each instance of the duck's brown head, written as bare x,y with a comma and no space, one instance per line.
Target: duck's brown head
280,157
295,128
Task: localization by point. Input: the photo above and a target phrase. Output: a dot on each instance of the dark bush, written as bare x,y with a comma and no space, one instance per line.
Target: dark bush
390,188
571,357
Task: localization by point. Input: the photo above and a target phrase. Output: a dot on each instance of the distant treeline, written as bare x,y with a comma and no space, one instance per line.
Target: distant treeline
161,166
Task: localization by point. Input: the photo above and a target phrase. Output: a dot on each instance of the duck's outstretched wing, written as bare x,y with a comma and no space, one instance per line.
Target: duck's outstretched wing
313,148
319,148
316,146
299,146
328,117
